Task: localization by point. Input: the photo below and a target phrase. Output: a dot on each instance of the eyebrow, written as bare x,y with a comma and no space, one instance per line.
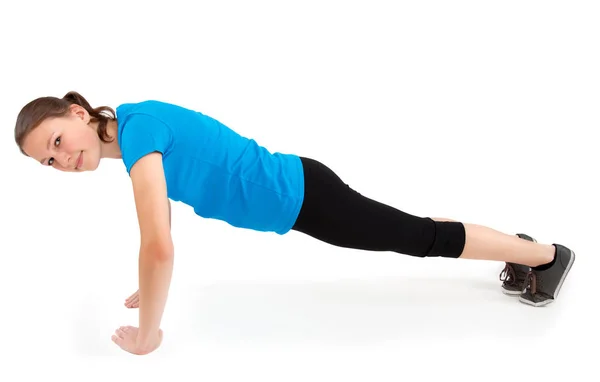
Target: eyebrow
47,149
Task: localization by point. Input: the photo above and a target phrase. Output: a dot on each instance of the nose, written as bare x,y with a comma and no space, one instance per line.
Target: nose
63,159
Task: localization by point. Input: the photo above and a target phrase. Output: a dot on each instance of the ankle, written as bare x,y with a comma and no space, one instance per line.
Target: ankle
547,256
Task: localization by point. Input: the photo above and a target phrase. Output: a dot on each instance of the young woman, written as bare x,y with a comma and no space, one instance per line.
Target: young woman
171,152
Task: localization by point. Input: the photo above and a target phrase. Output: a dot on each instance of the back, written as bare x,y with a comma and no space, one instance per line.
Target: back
210,167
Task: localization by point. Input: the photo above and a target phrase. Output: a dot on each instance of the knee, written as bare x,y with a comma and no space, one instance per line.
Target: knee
448,239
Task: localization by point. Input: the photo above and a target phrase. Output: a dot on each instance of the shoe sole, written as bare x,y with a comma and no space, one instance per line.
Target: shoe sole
511,293
560,283
515,293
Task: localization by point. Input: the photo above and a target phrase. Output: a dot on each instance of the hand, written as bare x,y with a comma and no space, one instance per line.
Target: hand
133,301
126,338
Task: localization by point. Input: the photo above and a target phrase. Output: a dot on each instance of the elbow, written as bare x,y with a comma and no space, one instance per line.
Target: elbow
161,251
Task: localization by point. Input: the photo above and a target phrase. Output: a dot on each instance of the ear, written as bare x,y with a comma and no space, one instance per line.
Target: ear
80,112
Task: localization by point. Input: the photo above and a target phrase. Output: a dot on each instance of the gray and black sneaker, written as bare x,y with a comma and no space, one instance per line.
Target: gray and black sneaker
543,285
513,276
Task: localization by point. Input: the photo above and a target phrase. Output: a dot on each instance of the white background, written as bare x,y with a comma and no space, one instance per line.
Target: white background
480,111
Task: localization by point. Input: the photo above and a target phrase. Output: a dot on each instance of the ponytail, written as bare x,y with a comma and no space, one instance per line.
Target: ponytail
100,114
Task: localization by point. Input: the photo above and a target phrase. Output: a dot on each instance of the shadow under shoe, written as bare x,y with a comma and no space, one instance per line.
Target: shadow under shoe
514,276
543,286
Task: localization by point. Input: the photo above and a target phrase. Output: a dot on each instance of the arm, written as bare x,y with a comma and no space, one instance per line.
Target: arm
156,247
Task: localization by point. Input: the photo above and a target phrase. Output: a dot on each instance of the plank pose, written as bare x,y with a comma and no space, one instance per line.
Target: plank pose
174,153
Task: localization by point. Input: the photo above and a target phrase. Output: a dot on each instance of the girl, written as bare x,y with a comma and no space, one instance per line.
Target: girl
173,153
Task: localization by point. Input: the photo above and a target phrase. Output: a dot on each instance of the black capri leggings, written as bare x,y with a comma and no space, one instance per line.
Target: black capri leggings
336,214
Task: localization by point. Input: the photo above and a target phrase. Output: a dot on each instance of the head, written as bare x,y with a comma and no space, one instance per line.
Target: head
65,133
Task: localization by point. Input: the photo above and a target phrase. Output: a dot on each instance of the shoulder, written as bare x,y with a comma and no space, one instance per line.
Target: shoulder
148,107
142,130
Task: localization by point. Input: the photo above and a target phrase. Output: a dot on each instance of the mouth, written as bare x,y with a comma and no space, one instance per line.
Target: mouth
79,161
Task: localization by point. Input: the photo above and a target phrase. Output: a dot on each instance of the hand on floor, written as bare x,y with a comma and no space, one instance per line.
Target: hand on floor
126,338
133,301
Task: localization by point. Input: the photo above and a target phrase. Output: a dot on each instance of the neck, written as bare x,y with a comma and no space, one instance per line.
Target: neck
111,149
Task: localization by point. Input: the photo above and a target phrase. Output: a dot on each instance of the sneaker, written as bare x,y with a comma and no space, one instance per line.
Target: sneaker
513,275
543,286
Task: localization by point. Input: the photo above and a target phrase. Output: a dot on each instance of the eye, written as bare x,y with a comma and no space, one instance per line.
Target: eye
56,143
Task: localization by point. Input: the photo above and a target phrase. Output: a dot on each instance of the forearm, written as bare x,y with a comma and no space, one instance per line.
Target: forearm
155,270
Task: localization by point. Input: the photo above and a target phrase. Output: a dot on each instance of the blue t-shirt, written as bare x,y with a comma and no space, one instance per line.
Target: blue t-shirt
213,169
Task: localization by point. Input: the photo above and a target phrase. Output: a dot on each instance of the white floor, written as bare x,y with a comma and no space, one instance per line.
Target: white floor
480,113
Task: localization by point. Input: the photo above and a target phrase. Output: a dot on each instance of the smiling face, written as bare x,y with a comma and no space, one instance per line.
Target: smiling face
67,143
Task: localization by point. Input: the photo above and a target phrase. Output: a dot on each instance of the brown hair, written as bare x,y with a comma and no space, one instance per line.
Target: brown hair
36,111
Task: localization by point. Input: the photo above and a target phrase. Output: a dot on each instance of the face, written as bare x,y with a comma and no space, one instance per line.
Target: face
67,143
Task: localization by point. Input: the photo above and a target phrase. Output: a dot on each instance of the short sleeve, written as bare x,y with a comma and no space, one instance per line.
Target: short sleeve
141,135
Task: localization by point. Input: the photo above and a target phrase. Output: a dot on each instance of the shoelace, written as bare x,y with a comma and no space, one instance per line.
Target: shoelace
508,275
531,282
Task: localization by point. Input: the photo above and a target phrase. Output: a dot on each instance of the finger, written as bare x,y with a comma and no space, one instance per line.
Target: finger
134,301
125,329
117,340
133,295
119,333
133,298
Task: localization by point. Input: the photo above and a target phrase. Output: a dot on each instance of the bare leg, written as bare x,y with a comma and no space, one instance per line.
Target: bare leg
483,243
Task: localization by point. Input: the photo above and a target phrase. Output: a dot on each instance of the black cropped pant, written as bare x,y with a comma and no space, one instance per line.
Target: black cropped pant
334,213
